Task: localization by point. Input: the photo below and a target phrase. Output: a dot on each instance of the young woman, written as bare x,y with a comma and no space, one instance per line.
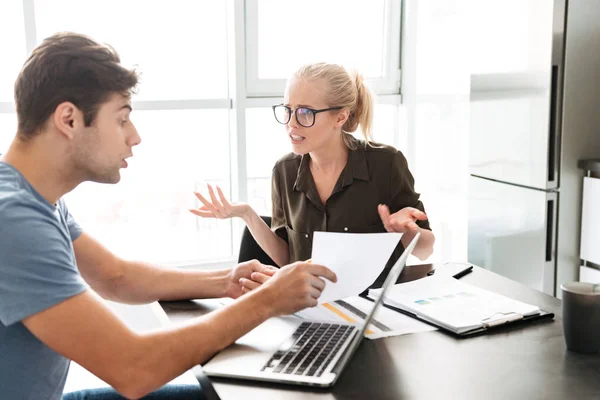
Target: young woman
331,181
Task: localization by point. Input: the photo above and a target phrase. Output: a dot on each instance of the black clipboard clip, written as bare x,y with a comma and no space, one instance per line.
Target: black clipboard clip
501,318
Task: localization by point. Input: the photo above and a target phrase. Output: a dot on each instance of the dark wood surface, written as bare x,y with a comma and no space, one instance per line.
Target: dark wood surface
529,362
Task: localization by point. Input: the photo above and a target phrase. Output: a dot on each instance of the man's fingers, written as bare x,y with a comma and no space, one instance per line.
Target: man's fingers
269,271
319,270
312,302
314,293
257,266
259,278
266,269
249,284
318,283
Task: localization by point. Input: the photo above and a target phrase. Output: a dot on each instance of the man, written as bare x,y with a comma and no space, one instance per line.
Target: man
73,106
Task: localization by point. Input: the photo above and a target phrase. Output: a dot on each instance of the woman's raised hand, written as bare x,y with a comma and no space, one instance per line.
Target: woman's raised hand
219,207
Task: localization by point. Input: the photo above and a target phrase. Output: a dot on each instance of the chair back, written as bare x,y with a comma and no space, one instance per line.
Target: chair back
250,250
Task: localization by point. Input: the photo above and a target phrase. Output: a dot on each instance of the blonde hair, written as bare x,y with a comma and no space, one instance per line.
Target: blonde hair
344,89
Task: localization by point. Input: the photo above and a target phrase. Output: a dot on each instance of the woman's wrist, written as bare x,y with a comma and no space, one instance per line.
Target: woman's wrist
247,214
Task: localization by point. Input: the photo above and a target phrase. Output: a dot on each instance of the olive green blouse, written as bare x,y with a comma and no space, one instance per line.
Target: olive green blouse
374,174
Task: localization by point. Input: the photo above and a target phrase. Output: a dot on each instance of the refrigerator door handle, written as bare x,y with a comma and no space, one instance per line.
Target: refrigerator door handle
549,278
549,230
553,125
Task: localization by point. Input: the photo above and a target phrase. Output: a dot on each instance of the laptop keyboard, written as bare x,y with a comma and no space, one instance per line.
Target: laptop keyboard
310,349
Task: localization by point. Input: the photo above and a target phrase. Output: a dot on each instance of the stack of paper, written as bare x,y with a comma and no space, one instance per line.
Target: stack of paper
454,305
355,309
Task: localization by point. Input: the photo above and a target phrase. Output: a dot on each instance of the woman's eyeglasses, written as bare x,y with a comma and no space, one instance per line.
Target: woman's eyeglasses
305,116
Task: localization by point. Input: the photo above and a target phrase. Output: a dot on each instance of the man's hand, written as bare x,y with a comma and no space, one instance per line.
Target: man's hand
296,286
402,221
247,276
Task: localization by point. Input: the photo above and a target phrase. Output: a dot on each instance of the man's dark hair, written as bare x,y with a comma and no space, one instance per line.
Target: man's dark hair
68,67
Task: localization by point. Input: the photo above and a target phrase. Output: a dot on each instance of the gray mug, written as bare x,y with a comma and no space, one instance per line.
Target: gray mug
581,316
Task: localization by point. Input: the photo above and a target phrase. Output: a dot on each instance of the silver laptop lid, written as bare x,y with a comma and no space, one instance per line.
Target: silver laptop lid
390,281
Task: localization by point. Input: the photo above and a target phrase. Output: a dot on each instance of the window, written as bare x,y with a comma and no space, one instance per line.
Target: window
170,45
181,113
8,127
281,36
146,215
198,124
13,50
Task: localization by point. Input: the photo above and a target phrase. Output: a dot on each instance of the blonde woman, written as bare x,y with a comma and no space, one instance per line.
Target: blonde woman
331,181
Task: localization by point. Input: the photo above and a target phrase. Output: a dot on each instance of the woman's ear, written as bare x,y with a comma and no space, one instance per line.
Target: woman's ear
342,117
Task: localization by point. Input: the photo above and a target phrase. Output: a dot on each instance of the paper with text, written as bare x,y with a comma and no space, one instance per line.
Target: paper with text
452,304
354,309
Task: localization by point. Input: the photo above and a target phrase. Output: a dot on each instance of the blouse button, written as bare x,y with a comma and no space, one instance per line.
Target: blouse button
306,235
346,229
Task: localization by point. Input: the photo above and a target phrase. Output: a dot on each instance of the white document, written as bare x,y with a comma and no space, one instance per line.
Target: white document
455,305
590,216
385,323
356,258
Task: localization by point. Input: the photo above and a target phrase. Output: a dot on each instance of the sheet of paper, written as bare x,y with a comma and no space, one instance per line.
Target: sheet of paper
387,322
453,304
356,258
355,309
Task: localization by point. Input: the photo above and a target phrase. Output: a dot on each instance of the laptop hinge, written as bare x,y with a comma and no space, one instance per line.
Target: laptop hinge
343,360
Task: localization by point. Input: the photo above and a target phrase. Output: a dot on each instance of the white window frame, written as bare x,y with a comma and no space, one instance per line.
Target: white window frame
245,91
388,84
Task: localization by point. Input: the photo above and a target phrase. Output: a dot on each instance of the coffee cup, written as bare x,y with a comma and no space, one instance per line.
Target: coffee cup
581,316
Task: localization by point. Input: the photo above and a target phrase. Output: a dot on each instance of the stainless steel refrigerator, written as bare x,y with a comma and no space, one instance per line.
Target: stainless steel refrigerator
534,112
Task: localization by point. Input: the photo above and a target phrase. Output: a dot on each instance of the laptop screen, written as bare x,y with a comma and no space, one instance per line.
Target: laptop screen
390,281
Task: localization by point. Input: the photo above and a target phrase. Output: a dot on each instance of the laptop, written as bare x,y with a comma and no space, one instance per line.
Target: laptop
298,351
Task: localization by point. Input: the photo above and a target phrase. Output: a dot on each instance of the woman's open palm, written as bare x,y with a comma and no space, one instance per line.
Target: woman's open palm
219,207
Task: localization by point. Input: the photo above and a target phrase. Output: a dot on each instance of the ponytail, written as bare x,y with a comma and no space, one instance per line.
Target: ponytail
362,114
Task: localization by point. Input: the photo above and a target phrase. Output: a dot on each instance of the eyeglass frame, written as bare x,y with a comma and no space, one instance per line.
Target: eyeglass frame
315,112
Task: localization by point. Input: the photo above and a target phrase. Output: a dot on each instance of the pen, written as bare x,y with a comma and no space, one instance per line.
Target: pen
459,274
463,272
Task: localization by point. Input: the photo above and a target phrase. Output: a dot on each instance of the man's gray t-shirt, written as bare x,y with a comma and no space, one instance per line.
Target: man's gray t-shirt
37,271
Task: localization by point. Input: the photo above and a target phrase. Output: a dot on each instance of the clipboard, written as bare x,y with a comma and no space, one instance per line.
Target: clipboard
543,316
459,308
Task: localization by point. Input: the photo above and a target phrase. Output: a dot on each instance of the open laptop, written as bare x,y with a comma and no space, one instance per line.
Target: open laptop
295,351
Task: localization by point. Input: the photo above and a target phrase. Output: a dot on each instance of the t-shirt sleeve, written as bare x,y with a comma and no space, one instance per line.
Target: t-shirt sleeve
278,223
402,187
74,229
37,264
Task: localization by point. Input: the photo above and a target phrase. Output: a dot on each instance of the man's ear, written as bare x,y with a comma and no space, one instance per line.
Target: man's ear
342,117
68,119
